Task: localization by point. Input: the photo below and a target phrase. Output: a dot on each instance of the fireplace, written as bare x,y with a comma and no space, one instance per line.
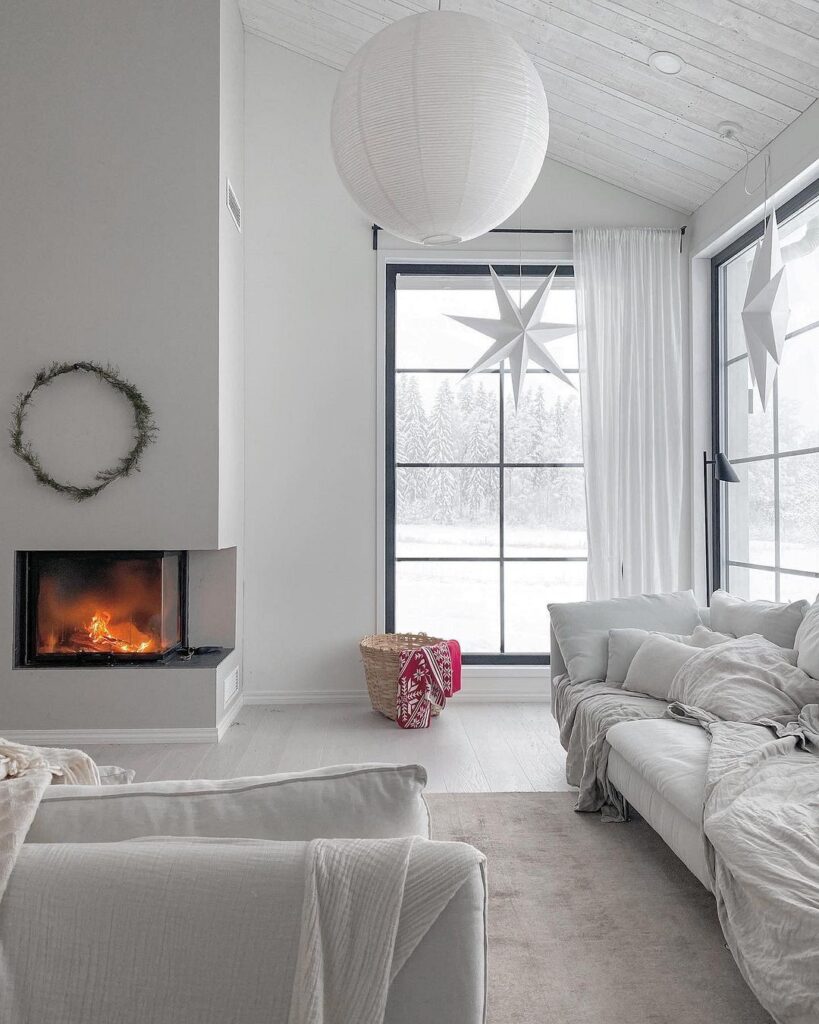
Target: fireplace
100,607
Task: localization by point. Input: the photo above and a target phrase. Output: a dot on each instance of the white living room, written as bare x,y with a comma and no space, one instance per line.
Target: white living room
409,560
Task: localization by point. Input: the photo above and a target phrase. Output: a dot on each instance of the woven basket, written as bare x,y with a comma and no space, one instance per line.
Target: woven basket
381,655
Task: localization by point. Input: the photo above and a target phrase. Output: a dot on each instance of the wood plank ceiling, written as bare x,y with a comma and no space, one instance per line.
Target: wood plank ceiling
753,62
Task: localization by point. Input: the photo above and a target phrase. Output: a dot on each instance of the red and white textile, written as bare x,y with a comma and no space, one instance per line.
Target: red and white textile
427,677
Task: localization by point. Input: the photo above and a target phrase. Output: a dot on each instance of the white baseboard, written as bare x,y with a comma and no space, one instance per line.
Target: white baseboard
477,689
98,737
305,697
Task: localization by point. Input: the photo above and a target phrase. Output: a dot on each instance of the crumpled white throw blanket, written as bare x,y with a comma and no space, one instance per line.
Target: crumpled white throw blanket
25,773
586,712
761,813
367,905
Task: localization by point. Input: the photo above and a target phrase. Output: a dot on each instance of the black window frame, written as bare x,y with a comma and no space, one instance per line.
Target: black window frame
719,525
393,271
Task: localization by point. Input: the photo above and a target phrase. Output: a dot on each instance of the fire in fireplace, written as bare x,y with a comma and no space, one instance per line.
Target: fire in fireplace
86,607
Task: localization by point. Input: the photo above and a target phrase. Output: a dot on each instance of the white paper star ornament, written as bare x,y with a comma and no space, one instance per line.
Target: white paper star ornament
766,310
519,335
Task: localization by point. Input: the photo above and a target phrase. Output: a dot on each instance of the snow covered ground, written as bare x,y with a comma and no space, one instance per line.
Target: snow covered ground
462,599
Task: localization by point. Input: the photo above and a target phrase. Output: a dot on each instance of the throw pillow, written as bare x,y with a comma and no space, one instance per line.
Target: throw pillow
655,664
777,622
624,644
807,642
582,627
374,801
705,637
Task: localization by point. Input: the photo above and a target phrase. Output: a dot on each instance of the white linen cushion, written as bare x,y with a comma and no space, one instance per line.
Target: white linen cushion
624,644
359,801
655,664
582,627
704,637
777,622
671,756
807,642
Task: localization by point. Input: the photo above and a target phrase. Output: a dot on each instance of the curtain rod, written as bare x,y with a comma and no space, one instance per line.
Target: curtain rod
518,231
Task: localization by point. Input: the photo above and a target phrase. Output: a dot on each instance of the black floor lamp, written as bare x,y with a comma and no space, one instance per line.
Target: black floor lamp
723,473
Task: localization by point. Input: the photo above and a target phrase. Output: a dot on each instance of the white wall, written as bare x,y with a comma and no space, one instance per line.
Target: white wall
109,169
111,220
310,320
231,276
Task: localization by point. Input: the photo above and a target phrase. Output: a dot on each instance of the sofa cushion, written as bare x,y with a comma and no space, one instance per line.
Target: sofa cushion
669,755
625,643
360,801
777,622
807,642
582,627
656,663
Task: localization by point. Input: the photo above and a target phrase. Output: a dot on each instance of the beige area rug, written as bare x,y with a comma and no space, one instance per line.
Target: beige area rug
592,923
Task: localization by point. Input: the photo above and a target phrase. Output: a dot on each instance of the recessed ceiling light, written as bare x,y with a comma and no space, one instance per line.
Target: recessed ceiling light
665,62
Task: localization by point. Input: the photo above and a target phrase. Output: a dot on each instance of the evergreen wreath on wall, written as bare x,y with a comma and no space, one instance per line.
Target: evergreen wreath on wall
145,429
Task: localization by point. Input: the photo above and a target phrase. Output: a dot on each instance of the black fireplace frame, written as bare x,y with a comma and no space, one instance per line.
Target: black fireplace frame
25,601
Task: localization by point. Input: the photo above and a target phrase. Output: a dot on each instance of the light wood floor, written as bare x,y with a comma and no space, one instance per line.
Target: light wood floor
471,748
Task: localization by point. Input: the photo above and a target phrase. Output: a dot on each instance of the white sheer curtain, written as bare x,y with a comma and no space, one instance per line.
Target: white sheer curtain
629,314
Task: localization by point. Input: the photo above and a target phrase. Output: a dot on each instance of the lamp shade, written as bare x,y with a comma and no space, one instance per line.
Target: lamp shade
439,127
723,470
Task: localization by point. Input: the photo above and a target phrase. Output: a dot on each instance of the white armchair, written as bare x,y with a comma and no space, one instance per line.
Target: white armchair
205,930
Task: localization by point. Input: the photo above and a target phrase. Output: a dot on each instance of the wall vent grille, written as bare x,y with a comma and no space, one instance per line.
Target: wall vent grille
231,686
233,206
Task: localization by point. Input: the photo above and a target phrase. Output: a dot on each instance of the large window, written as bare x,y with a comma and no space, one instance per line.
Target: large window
769,522
485,517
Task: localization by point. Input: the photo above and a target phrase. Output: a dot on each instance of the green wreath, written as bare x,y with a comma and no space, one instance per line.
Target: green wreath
145,430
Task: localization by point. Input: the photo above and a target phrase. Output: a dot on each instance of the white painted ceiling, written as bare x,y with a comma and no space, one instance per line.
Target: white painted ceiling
754,62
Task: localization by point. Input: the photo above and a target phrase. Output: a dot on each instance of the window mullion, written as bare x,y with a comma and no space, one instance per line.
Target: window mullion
777,550
501,499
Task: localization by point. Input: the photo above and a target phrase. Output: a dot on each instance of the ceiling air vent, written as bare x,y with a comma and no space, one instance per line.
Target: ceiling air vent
233,206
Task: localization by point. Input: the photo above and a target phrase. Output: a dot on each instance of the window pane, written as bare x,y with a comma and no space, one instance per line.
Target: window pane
751,514
529,587
455,600
546,426
426,337
752,584
447,512
799,238
441,418
798,380
748,429
545,512
799,512
735,277
797,588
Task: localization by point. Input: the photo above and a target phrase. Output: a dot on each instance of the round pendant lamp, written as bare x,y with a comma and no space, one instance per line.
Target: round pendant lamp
439,127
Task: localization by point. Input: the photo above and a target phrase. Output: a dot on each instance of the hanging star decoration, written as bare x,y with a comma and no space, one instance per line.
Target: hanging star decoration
518,335
765,313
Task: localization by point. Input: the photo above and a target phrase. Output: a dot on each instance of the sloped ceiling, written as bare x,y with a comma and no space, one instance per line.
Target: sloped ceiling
753,62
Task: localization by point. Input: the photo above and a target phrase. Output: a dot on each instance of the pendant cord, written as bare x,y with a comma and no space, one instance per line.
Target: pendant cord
765,171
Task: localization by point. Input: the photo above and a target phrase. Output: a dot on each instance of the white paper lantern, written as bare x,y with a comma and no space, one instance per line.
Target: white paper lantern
439,127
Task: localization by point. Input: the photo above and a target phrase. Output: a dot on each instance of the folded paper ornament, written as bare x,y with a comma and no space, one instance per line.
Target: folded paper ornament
766,311
519,335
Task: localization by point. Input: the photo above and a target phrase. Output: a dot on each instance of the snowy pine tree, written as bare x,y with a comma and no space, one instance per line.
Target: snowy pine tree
442,446
410,421
410,446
